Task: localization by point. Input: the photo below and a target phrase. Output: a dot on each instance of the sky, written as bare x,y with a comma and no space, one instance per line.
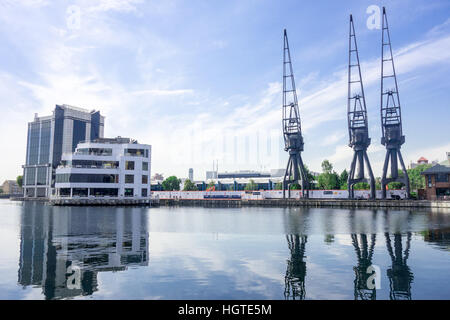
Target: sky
201,81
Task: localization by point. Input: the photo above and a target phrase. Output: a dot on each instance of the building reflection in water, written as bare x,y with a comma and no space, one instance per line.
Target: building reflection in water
296,268
364,254
63,250
400,275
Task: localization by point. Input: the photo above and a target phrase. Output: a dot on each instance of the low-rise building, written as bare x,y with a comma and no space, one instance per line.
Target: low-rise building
420,161
11,187
113,168
437,182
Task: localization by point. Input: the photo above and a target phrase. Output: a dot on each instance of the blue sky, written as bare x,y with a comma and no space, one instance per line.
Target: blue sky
201,80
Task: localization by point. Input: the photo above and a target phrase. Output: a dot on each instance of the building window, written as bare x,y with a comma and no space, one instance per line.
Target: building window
41,176
429,181
129,192
442,177
104,192
80,192
30,176
135,152
144,166
144,192
87,178
144,179
94,151
129,178
129,165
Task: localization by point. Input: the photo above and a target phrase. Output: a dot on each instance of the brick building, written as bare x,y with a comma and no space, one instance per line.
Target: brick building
437,182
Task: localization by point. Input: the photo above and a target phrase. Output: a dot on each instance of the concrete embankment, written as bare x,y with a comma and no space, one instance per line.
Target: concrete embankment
315,203
101,202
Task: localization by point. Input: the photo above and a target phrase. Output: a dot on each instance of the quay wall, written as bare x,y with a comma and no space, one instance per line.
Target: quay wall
315,203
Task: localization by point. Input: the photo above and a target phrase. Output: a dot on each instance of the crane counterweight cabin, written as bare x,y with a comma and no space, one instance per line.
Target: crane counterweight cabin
292,133
391,117
358,128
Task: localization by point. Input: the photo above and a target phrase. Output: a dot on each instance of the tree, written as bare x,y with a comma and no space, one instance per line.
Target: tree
19,181
251,185
416,179
172,183
296,186
211,184
310,176
396,185
343,179
328,179
279,186
189,186
361,186
327,167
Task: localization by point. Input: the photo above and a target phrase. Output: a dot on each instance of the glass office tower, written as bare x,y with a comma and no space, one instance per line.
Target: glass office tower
51,136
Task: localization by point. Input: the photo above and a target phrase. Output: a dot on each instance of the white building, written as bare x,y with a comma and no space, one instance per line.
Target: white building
114,168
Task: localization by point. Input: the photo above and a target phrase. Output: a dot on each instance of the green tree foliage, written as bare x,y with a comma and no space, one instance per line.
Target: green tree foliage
211,184
172,183
343,177
361,186
328,179
189,186
251,185
327,167
416,179
310,176
19,181
296,186
279,186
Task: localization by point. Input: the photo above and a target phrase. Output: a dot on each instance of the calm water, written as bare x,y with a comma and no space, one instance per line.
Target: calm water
209,253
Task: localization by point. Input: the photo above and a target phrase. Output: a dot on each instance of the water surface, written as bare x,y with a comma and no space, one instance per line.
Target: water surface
221,253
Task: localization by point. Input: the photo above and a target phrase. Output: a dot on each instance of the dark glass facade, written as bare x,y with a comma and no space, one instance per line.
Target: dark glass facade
95,125
58,136
41,176
87,178
30,176
79,133
44,149
33,150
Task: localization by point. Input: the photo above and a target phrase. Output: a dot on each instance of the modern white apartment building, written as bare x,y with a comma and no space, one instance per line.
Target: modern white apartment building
117,168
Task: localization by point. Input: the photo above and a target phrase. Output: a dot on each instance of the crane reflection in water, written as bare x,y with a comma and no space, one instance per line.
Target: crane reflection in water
364,253
296,268
400,275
